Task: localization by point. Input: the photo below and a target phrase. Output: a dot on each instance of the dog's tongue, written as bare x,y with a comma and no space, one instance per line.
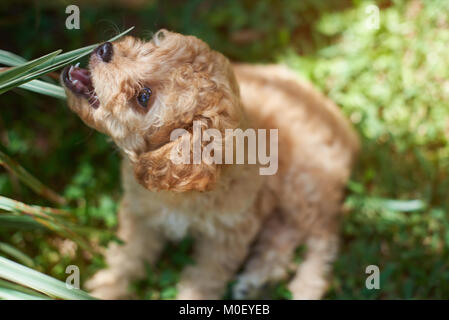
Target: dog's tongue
78,80
81,75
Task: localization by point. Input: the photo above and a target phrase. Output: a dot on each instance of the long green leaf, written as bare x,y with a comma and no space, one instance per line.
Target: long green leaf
67,58
29,179
49,66
49,217
16,287
11,205
17,254
16,72
9,294
46,88
30,278
19,222
10,59
71,56
403,205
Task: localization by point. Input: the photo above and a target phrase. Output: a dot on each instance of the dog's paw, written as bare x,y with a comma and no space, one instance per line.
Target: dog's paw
106,285
195,290
247,287
185,293
307,289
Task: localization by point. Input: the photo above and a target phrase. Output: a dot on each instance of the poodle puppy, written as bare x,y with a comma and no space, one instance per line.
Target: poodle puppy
139,92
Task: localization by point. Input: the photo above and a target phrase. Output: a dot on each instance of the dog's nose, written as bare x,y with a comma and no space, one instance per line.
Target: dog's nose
104,51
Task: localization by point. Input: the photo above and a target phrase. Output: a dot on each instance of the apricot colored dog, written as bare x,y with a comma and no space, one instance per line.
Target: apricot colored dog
138,92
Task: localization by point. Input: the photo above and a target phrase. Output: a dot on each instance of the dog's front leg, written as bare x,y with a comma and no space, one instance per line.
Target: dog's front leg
217,258
126,261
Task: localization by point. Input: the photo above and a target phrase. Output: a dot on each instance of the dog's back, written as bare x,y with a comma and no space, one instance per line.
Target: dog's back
275,97
313,133
317,148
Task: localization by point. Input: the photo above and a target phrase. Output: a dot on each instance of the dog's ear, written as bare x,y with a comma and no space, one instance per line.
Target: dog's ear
163,168
217,107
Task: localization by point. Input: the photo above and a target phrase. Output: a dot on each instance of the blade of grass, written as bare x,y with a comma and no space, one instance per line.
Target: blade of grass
23,222
11,205
11,59
12,286
30,278
24,176
48,66
64,59
18,71
58,62
38,86
48,217
9,294
46,88
403,205
17,254
19,222
71,56
395,205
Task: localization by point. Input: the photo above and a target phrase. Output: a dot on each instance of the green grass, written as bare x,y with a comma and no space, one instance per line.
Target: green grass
391,82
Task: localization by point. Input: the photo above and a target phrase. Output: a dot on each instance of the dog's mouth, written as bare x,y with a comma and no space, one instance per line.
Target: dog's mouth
79,81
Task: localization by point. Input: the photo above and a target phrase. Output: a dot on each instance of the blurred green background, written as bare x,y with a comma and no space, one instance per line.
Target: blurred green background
392,82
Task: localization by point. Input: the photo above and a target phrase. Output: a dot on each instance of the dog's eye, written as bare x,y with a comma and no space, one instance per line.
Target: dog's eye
144,96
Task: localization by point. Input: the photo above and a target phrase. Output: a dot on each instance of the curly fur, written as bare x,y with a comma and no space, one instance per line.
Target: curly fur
232,212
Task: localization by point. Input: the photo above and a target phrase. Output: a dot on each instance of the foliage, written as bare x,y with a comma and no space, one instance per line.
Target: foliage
37,281
25,73
392,83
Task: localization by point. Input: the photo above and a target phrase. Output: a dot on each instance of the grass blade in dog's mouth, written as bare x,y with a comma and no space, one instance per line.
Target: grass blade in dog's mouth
78,80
